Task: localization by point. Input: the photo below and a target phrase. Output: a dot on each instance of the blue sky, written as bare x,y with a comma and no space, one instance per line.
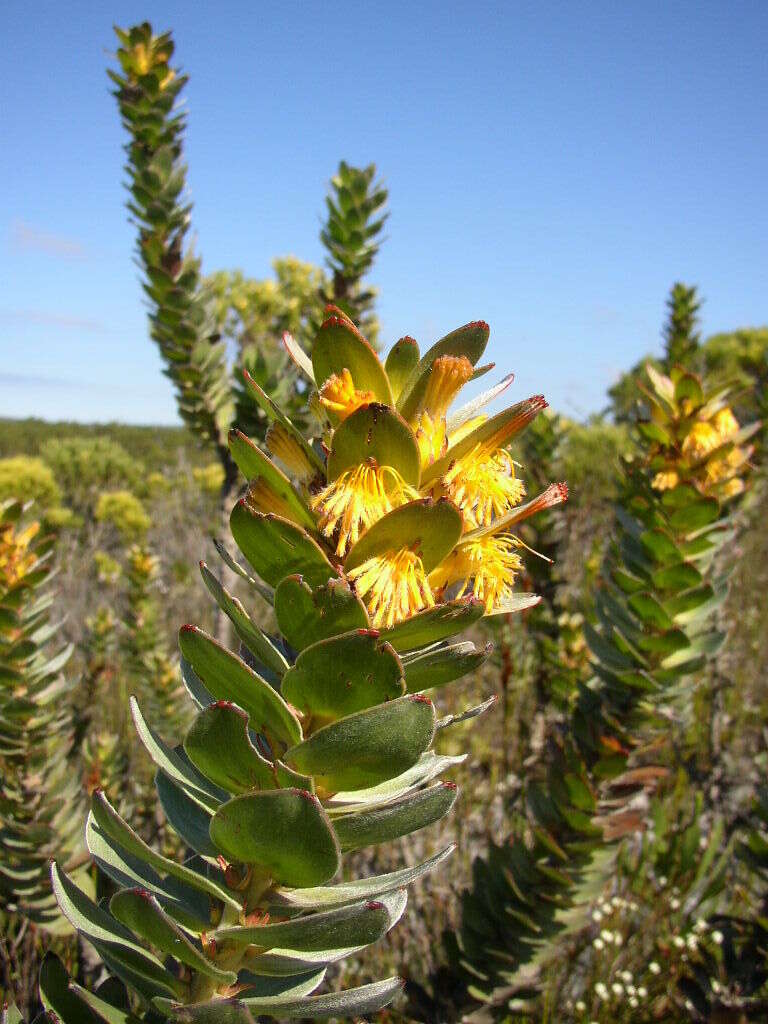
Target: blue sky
552,168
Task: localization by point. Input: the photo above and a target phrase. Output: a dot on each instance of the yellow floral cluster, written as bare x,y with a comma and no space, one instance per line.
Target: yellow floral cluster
16,559
711,459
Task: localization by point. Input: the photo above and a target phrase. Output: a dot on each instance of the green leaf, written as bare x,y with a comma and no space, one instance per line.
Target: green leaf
254,638
285,832
368,747
185,817
339,346
344,674
370,828
255,465
227,677
444,664
351,1003
376,432
681,576
438,623
358,924
190,908
692,517
688,386
429,528
326,896
275,415
306,616
176,766
110,822
500,428
401,362
139,911
59,997
469,340
429,766
649,611
99,927
277,548
218,744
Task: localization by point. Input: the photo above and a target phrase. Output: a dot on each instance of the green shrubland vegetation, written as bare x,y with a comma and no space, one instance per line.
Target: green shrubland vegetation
240,813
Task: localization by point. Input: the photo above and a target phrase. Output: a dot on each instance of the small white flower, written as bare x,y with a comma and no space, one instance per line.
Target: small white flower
674,903
597,917
715,985
617,939
717,937
654,968
606,908
616,902
626,976
679,942
633,906
606,936
601,990
642,991
580,1006
700,926
617,988
599,945
692,943
631,990
662,880
633,1002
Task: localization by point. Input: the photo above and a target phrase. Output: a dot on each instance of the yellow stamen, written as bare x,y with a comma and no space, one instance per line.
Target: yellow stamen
483,485
357,499
394,585
288,450
340,396
447,377
430,434
15,562
733,487
490,564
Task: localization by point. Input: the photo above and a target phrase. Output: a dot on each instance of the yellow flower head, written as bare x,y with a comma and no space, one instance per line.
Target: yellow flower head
357,499
394,586
701,439
15,561
665,480
483,485
287,449
340,396
725,423
486,564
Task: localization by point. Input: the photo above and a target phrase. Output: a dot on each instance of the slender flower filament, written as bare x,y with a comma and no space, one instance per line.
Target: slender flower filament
483,485
357,499
487,565
394,585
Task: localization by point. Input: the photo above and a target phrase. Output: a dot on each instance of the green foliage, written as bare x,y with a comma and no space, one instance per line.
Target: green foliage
84,466
356,215
124,511
40,805
681,339
31,477
182,312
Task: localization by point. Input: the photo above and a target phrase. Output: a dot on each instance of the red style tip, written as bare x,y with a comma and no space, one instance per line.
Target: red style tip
188,628
449,785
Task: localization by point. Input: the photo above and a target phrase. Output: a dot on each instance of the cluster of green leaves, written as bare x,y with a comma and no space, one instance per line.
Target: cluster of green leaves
40,806
664,578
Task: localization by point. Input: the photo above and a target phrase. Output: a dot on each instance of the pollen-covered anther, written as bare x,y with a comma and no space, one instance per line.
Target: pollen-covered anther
340,396
288,450
394,586
357,499
485,567
483,485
